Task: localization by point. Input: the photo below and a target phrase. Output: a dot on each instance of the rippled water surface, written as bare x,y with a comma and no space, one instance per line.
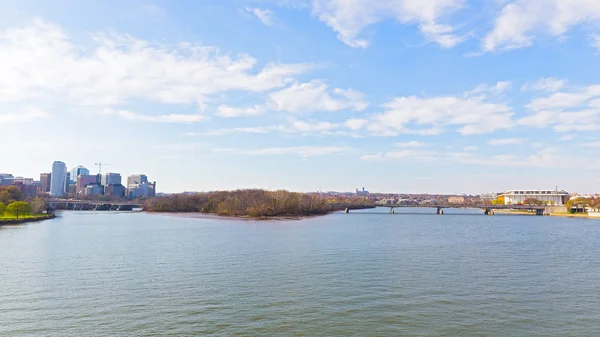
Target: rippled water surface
363,273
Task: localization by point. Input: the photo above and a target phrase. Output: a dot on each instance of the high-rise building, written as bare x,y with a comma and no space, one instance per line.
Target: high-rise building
85,180
111,179
58,181
79,171
45,182
137,179
139,187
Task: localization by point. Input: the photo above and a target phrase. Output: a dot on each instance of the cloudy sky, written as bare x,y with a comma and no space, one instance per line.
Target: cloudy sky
448,96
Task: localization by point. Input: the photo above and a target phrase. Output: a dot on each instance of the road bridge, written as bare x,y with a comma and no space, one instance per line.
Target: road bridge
88,205
487,209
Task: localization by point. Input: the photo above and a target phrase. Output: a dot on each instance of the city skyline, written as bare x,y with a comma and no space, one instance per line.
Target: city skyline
446,97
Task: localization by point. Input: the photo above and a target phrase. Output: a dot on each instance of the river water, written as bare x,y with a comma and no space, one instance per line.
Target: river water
367,273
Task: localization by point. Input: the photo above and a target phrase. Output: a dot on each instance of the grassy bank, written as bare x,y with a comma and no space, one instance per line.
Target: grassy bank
12,220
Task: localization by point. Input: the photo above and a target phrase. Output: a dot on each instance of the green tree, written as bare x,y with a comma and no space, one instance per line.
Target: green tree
18,208
2,208
10,194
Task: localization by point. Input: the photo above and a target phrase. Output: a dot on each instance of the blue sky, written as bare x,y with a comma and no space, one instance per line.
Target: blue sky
446,96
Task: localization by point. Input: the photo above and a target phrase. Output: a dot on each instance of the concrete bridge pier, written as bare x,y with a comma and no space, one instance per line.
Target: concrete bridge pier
392,211
347,211
488,211
440,211
540,212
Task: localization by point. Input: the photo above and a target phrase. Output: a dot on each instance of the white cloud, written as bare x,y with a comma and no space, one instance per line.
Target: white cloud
311,126
27,114
40,62
574,110
229,111
506,141
567,137
349,18
228,131
171,118
302,151
595,41
412,143
375,156
416,154
549,84
471,148
472,115
316,96
265,16
484,89
355,123
521,20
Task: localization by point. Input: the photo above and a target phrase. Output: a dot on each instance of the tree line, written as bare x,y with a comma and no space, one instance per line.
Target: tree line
13,204
253,203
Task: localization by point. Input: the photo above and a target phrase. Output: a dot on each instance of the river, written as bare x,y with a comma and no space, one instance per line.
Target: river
367,273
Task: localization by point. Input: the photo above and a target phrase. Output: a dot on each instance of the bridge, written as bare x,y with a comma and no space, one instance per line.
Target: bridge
86,205
487,209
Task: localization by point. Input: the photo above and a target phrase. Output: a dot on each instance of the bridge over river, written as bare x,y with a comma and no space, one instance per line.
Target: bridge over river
487,209
86,205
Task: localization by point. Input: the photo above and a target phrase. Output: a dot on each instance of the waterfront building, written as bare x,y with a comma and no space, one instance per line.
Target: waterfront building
45,182
79,171
552,197
58,181
111,179
85,180
456,200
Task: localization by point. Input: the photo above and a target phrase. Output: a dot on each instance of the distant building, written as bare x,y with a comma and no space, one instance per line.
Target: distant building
85,180
456,200
111,179
136,179
513,197
4,178
58,182
363,191
115,190
45,182
17,181
79,171
139,187
29,191
94,190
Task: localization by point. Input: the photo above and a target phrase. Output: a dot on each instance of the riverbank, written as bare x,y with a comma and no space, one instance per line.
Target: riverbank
25,219
574,215
198,215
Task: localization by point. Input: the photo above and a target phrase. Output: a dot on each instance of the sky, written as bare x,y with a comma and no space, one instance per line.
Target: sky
404,96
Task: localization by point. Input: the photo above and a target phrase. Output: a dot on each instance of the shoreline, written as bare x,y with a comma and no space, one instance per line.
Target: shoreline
9,222
198,215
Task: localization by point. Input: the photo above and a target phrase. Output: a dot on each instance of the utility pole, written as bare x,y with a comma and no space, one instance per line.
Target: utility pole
99,164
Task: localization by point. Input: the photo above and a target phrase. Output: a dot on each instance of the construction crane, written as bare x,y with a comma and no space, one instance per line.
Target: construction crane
100,164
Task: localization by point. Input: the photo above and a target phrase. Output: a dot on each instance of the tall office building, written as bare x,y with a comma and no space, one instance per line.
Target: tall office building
58,181
111,179
137,179
84,181
45,182
79,171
